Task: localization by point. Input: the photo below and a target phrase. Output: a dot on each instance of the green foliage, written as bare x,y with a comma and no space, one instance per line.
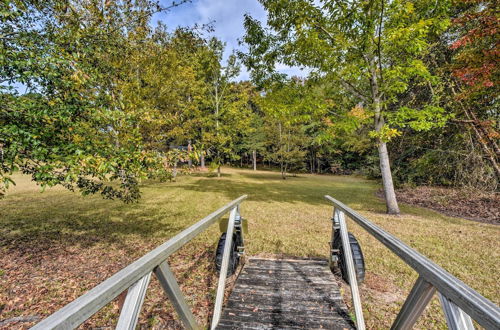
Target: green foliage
96,100
420,120
102,98
443,157
255,137
359,45
227,114
293,111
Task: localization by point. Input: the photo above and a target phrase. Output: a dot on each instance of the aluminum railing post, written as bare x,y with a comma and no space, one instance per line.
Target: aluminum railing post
174,293
415,303
79,310
480,309
455,317
133,303
353,282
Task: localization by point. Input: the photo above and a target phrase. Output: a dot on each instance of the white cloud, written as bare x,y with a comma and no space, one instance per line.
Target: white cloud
227,16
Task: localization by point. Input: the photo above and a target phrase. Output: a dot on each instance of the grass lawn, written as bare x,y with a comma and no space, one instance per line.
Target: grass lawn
56,245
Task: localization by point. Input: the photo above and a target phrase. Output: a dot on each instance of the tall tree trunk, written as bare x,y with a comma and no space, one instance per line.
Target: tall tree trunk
385,169
174,172
217,100
385,166
202,160
287,152
190,160
281,156
311,161
254,160
319,165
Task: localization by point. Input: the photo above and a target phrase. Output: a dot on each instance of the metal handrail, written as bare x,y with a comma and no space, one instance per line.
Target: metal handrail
135,277
459,301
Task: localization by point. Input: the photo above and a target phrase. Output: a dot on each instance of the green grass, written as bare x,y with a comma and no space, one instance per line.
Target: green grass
60,244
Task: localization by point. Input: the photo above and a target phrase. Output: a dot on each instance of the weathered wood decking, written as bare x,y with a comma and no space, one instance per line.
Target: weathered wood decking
285,294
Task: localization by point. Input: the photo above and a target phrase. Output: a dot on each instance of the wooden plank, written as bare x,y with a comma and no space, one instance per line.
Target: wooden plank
268,280
297,296
257,297
289,309
223,325
296,271
286,269
280,321
289,294
286,264
308,261
285,294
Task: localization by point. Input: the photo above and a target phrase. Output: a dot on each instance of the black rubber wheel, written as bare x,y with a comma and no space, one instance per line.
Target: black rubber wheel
234,258
357,255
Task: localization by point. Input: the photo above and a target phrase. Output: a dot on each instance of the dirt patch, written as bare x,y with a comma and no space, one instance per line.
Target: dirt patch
380,298
375,287
382,289
464,203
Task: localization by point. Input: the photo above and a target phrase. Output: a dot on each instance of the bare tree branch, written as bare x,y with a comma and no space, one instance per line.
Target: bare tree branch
354,90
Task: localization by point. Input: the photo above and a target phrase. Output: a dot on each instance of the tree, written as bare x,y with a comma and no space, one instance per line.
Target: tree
218,78
475,69
289,108
255,141
371,49
285,146
79,122
192,119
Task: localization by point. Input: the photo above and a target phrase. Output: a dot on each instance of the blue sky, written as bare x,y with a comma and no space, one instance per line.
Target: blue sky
227,18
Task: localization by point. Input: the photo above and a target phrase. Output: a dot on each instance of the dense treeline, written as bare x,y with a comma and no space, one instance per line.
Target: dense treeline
93,97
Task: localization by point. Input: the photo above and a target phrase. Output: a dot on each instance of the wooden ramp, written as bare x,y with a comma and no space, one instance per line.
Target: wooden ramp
285,294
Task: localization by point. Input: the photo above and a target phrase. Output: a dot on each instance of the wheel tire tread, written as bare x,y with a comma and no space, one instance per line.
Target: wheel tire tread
233,259
357,254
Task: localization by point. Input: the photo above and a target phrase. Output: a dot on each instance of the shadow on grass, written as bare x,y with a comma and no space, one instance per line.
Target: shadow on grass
62,219
65,220
210,174
267,175
270,188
